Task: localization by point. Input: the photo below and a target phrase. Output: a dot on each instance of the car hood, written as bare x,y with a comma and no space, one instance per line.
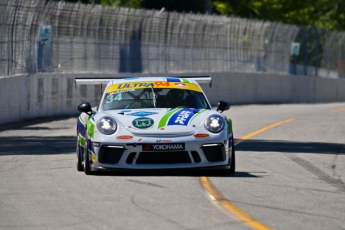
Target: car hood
160,121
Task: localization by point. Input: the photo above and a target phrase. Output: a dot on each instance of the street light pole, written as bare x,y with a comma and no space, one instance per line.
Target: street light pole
208,6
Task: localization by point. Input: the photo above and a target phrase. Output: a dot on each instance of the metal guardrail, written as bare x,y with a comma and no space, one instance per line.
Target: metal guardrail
95,38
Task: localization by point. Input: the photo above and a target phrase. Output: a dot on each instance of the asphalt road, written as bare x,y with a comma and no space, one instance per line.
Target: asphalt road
288,177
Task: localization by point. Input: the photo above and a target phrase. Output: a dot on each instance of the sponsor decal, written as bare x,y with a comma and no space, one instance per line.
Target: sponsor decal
124,137
123,91
182,117
127,86
183,85
142,113
143,123
163,147
170,83
201,135
163,141
173,79
179,116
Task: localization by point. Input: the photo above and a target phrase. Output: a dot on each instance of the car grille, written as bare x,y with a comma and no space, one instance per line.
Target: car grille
214,153
163,157
110,155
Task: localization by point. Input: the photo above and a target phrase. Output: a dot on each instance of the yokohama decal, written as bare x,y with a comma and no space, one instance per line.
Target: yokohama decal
163,147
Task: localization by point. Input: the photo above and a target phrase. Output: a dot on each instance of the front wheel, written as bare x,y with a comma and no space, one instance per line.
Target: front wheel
233,158
87,167
79,163
232,161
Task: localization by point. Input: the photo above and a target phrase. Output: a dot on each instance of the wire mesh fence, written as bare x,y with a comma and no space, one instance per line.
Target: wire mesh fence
95,38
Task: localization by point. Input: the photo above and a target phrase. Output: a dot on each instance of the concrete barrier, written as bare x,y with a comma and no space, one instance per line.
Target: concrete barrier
28,97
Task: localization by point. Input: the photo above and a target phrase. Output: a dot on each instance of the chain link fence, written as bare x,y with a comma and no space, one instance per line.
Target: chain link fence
99,39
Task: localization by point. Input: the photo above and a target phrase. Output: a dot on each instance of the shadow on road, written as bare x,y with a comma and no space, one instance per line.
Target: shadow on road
290,147
33,145
169,173
36,145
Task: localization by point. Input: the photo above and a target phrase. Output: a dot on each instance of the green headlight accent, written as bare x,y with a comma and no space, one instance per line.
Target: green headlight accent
90,128
229,126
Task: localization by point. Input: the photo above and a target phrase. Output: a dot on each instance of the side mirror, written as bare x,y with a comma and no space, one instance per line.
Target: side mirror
222,106
85,107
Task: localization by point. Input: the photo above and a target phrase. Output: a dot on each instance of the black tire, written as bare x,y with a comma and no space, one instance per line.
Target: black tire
233,158
232,163
87,167
79,163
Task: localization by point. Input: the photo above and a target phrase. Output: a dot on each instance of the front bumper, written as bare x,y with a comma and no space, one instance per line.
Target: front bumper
196,154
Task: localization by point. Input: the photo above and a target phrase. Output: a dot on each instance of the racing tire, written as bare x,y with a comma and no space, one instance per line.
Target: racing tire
233,158
87,167
232,163
79,163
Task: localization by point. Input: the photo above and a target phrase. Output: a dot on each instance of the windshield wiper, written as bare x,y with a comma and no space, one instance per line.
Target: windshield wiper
153,96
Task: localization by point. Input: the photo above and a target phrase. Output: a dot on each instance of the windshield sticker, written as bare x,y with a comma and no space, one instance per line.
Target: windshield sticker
142,113
181,85
127,86
113,97
171,79
131,86
123,91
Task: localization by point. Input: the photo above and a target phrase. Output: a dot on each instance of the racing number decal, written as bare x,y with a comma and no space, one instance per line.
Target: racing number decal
110,98
162,84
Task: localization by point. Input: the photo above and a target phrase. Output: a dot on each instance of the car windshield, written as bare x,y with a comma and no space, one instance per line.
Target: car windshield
151,97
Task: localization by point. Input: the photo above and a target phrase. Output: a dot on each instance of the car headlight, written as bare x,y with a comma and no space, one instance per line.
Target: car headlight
106,125
214,123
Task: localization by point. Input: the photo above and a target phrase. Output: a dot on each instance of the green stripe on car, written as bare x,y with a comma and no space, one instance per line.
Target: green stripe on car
90,128
166,117
229,126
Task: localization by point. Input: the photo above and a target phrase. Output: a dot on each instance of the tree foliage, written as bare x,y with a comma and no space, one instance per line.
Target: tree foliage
328,14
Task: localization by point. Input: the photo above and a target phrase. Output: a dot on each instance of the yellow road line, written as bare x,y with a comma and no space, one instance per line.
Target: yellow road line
217,196
230,206
337,110
250,135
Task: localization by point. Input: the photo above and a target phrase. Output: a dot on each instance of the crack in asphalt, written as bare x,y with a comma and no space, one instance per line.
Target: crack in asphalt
337,183
157,214
146,183
286,210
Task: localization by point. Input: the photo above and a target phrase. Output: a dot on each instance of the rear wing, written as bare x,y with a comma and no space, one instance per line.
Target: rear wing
100,81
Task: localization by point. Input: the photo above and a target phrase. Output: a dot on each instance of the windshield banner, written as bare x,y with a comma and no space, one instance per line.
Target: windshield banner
158,84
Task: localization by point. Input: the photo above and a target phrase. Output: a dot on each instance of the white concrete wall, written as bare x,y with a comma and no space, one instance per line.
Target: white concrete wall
46,95
242,88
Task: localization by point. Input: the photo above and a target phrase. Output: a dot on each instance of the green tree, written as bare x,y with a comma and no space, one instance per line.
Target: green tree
329,14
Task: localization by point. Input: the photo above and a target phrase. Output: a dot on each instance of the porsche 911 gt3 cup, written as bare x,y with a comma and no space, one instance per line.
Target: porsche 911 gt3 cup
153,123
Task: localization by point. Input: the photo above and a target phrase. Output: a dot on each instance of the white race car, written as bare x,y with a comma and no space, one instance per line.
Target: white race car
154,123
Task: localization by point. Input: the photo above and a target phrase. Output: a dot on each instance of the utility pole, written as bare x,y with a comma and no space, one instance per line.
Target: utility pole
208,6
